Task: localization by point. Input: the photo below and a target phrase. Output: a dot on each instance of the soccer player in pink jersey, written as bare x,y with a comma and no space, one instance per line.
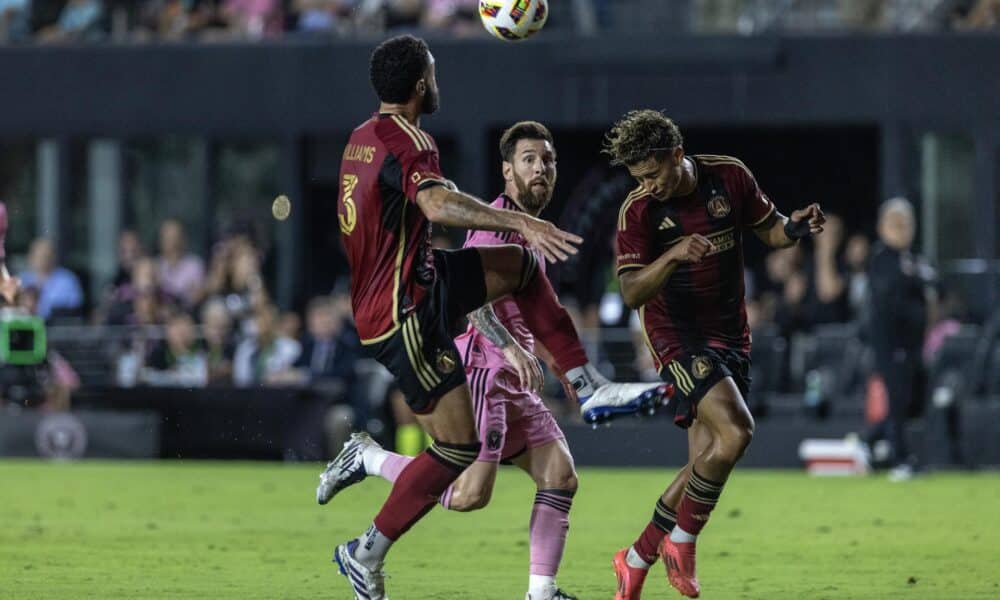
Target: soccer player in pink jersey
498,351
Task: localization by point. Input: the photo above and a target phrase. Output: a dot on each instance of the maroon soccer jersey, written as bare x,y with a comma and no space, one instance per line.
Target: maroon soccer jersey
386,162
701,305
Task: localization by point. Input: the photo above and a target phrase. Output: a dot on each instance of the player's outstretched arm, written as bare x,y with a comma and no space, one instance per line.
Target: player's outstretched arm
529,372
782,231
639,287
458,209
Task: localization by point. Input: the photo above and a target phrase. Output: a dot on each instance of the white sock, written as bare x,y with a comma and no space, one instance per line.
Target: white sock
585,380
635,561
372,548
541,587
373,459
679,536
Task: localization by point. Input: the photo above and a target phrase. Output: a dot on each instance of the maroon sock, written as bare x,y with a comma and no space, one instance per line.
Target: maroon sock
700,497
420,484
648,544
547,318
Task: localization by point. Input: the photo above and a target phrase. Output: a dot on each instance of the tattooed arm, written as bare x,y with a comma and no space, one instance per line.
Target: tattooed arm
529,372
485,321
457,209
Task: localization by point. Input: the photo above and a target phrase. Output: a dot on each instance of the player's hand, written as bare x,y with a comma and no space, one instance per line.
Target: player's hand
692,248
529,372
808,220
554,243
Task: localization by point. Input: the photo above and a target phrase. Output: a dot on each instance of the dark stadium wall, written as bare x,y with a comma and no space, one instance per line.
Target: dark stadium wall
845,112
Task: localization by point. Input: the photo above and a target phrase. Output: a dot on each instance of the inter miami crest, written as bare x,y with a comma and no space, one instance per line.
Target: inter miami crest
718,206
493,439
446,361
701,366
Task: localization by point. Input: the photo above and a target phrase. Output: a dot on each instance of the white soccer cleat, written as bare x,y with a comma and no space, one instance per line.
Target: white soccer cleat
368,584
553,594
615,399
345,470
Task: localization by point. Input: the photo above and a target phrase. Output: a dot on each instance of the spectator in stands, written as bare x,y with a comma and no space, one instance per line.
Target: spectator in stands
14,20
321,16
458,17
80,20
327,353
178,360
784,290
140,301
252,19
856,259
267,357
977,15
825,299
402,14
217,329
181,275
59,288
235,276
898,281
129,251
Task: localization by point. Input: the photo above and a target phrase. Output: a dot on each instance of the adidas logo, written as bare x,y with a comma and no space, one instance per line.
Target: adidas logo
666,223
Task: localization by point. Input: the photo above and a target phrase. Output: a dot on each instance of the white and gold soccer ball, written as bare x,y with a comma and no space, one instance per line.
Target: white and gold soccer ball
513,20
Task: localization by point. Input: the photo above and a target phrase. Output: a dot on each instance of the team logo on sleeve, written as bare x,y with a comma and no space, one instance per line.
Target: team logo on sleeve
446,361
718,206
701,367
493,439
415,178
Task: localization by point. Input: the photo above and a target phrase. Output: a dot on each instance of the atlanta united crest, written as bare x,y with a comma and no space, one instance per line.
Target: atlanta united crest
445,361
718,206
701,367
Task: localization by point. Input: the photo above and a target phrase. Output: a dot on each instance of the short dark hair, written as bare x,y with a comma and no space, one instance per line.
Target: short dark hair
639,135
396,66
523,130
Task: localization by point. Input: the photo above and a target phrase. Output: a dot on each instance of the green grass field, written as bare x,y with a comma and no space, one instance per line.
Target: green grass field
211,530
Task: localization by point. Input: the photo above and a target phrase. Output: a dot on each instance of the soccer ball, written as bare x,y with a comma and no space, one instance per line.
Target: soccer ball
513,20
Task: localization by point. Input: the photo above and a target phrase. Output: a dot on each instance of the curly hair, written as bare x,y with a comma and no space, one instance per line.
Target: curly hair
639,135
523,130
396,65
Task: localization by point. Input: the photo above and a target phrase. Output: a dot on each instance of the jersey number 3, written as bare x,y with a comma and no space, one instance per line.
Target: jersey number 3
349,218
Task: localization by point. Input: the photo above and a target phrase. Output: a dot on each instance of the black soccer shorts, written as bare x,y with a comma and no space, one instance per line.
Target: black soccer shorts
422,354
694,372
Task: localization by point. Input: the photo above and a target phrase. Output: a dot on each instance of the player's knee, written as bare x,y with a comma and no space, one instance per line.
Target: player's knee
734,442
566,482
469,500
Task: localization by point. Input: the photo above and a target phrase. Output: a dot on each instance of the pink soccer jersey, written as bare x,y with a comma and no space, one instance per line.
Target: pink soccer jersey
509,418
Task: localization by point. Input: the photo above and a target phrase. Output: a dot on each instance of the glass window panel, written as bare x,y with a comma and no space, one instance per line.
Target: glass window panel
947,164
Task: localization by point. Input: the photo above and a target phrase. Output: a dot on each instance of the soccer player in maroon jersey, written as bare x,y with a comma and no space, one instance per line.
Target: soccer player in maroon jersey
498,355
408,299
680,263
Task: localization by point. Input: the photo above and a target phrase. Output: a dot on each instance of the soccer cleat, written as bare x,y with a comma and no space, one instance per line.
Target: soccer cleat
557,594
368,584
345,470
630,579
615,399
679,560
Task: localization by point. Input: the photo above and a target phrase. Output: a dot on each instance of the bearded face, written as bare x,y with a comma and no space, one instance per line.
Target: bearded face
531,173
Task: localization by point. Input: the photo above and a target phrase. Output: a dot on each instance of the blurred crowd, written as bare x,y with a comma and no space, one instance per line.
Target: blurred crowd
55,21
182,323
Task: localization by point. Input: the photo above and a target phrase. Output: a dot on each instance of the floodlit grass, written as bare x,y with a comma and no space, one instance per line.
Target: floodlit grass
168,530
